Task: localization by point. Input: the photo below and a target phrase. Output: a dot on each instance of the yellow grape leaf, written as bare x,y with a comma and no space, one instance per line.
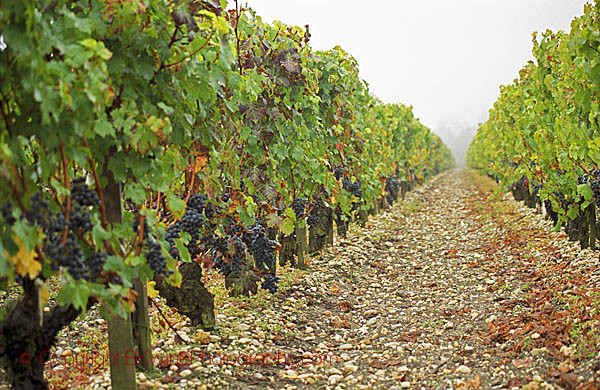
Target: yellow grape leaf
202,337
24,260
152,293
131,295
44,294
200,164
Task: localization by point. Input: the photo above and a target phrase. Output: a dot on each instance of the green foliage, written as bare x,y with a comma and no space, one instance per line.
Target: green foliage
170,98
545,124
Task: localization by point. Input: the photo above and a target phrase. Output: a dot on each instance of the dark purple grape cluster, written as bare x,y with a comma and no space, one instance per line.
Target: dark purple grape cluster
594,179
80,221
82,194
318,209
260,246
68,255
299,206
270,283
156,259
392,187
6,211
236,252
353,187
537,187
197,202
117,280
136,224
338,171
94,264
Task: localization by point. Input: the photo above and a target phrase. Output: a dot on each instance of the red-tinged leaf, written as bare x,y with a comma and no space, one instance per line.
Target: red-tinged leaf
339,323
377,364
517,382
568,381
345,306
522,363
339,146
410,337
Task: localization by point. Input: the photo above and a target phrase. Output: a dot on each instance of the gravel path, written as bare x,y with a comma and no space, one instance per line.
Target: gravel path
453,287
431,295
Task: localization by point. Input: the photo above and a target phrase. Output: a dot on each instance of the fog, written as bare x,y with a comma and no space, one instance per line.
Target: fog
445,58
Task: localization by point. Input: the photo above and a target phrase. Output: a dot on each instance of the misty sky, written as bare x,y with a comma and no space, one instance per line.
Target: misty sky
446,58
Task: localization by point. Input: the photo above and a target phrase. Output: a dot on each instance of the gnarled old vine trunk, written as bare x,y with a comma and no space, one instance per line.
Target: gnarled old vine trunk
192,299
26,337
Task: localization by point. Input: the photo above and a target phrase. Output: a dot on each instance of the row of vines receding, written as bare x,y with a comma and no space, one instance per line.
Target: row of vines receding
140,140
542,138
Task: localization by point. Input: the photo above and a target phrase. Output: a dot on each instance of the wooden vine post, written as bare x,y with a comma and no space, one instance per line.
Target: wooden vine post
141,326
300,244
120,334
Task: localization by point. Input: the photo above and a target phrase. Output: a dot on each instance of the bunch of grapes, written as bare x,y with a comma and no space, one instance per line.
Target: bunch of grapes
353,188
6,211
338,171
197,202
537,187
82,195
94,264
314,218
299,206
156,259
260,246
270,282
392,186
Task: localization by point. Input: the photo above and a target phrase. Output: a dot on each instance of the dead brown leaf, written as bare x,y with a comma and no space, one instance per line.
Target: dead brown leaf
339,323
568,381
522,363
345,306
564,367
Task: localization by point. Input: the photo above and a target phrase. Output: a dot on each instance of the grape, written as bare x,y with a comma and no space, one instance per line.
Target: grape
392,186
353,188
136,224
95,263
82,195
197,202
314,218
270,283
68,255
338,171
80,220
156,259
299,206
260,246
117,280
6,212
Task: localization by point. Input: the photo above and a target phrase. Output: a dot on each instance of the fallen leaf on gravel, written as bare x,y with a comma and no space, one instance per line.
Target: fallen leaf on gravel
410,337
345,306
334,290
337,322
471,383
553,372
202,337
564,367
521,363
385,363
428,285
569,381
515,382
